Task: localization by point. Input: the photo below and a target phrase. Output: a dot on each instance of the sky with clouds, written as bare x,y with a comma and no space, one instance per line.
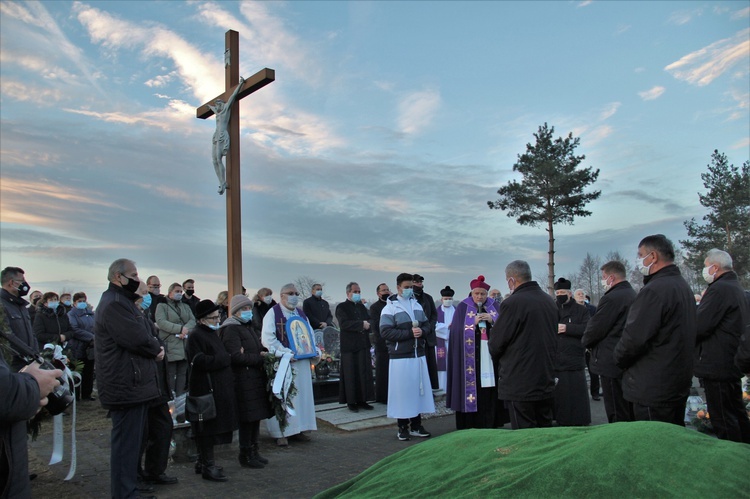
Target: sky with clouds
388,128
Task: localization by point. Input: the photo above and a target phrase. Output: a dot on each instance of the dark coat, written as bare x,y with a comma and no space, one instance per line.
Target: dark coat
82,325
161,366
208,357
251,383
351,317
260,309
722,318
396,325
742,359
50,324
604,329
374,312
656,348
430,311
20,394
523,340
571,356
317,311
125,351
19,322
192,301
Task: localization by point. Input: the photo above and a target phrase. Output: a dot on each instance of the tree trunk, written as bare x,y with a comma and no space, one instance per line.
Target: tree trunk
551,261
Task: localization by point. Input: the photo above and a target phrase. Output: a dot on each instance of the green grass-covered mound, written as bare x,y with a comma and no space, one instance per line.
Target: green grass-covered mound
642,459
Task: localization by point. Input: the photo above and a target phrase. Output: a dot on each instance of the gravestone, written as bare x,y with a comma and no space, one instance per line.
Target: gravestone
331,341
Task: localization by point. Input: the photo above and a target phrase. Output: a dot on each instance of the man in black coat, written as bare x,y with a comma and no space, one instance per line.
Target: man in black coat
603,331
317,310
14,288
189,297
428,305
524,341
355,387
381,348
723,316
656,348
126,355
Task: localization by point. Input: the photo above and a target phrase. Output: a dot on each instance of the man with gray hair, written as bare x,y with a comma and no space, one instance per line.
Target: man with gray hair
524,340
126,355
722,317
656,347
355,387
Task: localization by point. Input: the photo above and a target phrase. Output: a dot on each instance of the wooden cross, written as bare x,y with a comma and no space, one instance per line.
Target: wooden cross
255,82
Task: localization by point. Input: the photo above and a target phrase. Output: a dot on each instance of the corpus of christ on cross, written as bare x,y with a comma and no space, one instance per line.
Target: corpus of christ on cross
227,142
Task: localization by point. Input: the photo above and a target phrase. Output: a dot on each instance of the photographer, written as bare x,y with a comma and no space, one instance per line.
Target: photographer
24,393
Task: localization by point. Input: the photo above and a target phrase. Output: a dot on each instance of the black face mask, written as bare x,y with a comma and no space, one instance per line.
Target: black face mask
23,289
189,292
36,300
384,297
562,299
418,291
132,284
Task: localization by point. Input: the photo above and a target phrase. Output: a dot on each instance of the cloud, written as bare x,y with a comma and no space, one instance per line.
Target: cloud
609,110
743,143
740,14
584,3
682,17
653,93
639,195
417,110
622,28
177,114
705,65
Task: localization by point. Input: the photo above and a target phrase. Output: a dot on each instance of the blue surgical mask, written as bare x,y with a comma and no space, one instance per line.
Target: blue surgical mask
215,327
146,301
407,293
356,298
319,293
246,315
292,300
53,305
177,296
67,303
81,305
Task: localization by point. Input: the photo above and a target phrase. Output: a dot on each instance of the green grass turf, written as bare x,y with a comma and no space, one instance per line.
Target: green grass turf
629,460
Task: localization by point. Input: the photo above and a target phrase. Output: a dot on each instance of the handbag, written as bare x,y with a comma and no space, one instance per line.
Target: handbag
199,408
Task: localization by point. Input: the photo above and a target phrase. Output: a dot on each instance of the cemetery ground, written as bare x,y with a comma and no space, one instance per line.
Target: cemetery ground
301,470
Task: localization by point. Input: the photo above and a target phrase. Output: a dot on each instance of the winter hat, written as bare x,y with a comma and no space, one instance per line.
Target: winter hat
563,283
447,291
239,301
479,283
204,308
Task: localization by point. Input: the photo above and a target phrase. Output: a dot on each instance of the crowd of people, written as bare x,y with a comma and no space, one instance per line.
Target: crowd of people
519,360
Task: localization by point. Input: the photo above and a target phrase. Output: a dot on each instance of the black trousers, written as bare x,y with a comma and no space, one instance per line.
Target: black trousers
156,440
126,437
432,370
728,414
531,414
594,384
87,380
382,360
416,422
617,408
249,433
674,413
355,386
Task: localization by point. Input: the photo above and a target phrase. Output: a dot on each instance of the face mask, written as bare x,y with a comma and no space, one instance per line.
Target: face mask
708,277
53,305
642,268
292,300
67,303
189,292
562,299
246,315
23,289
447,303
511,288
407,293
319,293
35,300
268,300
146,301
356,297
384,296
81,305
605,285
131,285
417,290
215,327
177,296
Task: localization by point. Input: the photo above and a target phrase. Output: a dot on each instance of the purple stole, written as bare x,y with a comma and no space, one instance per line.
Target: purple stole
280,320
470,349
440,350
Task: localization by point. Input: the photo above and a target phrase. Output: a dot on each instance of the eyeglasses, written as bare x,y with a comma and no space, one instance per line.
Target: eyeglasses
291,294
212,317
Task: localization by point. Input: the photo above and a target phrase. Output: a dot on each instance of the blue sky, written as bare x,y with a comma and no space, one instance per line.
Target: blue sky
388,128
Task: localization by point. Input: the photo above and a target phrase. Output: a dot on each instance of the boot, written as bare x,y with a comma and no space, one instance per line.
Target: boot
255,454
212,472
247,460
199,467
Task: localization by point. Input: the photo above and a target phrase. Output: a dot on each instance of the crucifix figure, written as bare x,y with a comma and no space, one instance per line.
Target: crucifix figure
226,142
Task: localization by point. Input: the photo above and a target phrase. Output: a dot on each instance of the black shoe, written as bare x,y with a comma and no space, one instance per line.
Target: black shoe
160,480
365,406
403,433
213,473
420,432
353,407
254,454
596,397
143,487
247,459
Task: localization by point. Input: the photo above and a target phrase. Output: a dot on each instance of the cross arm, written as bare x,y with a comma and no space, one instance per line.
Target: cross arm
255,82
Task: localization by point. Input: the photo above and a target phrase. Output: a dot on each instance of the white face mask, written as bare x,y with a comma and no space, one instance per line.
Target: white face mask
447,303
645,270
267,299
605,286
292,300
708,277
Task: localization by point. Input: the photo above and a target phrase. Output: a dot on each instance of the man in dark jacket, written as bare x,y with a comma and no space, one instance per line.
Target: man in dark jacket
656,348
428,305
524,341
14,289
154,289
603,331
381,349
355,387
317,310
722,317
189,297
126,356
742,359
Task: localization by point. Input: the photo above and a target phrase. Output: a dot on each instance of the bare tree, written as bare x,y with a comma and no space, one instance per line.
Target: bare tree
304,285
588,277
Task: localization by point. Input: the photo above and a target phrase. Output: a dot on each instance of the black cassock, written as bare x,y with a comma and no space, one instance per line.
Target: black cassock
355,385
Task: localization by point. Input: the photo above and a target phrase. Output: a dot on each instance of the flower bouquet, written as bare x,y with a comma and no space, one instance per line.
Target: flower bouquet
702,421
281,403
